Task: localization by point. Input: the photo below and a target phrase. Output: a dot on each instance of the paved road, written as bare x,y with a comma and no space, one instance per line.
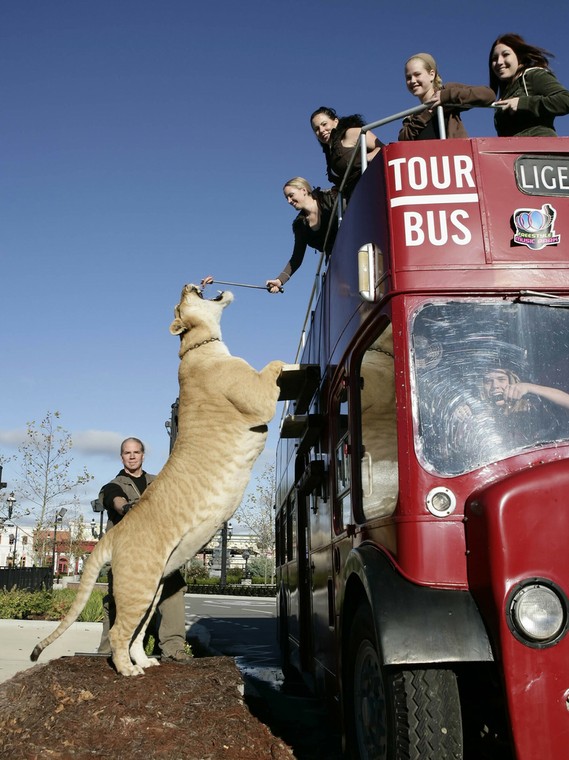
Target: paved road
246,628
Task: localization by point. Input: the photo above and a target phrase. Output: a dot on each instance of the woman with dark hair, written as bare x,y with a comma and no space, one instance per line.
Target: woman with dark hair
424,82
530,97
310,227
338,137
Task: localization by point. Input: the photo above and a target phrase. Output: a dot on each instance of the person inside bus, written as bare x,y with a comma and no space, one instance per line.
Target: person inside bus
510,413
310,228
424,82
338,136
530,96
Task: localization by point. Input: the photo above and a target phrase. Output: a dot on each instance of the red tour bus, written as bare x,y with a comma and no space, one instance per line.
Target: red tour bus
422,505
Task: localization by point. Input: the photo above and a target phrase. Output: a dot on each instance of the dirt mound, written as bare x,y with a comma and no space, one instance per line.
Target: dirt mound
78,707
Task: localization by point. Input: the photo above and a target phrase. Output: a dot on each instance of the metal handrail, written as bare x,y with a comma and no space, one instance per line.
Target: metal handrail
337,207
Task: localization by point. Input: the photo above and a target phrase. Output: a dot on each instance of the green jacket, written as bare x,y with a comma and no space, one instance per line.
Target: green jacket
541,99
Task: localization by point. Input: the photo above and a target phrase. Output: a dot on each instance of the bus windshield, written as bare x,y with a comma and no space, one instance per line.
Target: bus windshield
490,380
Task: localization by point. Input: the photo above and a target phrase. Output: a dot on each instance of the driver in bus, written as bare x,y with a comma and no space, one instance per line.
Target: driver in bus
510,413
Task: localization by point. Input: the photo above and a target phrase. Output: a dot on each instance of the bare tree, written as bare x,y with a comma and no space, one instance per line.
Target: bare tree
47,481
257,513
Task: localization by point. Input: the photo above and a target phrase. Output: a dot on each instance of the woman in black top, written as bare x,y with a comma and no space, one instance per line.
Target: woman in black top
310,227
338,137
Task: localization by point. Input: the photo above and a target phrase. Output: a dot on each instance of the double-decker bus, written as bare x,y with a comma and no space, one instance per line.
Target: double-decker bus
422,502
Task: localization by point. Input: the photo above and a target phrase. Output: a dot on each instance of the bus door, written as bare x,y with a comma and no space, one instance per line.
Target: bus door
342,523
304,578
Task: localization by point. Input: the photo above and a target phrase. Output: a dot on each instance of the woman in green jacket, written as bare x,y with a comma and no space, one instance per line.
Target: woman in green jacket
530,97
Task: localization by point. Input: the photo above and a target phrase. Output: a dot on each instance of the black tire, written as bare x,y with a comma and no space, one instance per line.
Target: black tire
397,714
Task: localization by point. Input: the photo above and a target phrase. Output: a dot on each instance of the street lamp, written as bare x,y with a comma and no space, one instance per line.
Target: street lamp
10,521
226,533
99,507
58,519
10,501
245,554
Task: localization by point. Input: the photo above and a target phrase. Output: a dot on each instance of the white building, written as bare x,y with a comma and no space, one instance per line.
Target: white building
16,541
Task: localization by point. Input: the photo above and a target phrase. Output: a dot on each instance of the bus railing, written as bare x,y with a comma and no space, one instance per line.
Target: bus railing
337,209
338,205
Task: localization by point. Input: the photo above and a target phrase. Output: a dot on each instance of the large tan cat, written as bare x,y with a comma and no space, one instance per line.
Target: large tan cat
225,406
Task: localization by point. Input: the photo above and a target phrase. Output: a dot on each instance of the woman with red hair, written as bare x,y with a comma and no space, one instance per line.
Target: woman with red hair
530,96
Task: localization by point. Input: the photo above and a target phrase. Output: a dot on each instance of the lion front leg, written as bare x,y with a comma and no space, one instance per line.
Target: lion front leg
134,607
120,645
270,390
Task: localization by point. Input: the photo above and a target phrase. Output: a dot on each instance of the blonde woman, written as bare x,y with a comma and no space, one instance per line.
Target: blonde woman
424,82
310,227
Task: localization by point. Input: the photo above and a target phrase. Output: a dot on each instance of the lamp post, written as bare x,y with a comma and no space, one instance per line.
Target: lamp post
10,502
226,533
245,554
11,522
99,507
58,519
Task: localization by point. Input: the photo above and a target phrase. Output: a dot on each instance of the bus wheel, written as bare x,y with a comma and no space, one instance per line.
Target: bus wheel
397,714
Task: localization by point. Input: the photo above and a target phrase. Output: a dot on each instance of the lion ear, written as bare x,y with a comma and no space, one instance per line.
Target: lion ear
177,327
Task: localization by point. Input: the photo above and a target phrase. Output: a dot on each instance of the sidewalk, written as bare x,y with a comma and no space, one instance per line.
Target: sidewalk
19,637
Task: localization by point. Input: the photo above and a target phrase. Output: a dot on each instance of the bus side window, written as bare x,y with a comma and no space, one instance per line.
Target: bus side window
343,509
280,538
380,478
291,537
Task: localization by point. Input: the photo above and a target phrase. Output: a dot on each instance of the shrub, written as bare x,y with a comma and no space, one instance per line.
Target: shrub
17,604
196,571
93,610
207,581
234,575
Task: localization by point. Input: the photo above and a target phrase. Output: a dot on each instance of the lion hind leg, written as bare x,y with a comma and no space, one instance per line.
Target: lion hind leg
137,653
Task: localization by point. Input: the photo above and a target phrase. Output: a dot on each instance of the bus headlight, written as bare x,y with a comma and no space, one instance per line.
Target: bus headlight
537,613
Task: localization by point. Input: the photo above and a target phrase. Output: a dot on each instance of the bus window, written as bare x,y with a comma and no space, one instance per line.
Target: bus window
280,537
343,463
379,470
490,381
291,537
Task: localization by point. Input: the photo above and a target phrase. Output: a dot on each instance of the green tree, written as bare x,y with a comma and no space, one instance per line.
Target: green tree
261,567
195,571
48,481
257,513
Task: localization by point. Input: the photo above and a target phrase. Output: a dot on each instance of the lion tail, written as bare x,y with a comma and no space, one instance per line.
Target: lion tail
101,554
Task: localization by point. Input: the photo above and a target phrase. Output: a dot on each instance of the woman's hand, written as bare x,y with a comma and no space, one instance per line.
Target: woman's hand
434,101
507,105
274,286
207,280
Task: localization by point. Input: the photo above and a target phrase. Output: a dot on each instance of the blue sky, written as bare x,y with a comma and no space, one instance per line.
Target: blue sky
144,144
